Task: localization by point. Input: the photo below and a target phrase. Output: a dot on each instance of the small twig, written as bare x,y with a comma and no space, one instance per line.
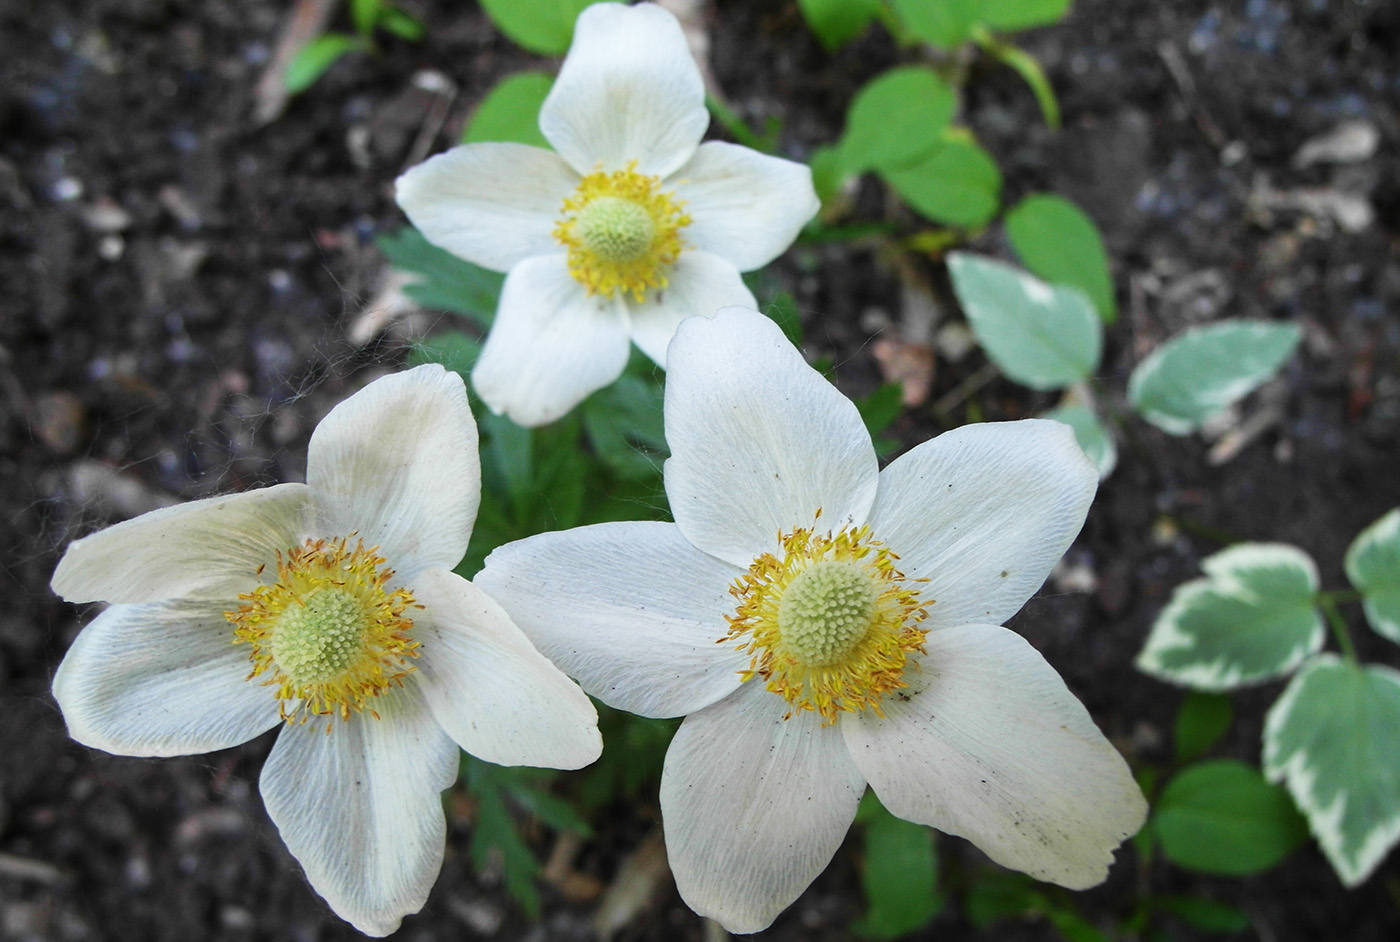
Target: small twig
960,393
307,20
1186,84
35,871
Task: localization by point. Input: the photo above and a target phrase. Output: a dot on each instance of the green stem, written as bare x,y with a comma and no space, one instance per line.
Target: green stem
735,125
1328,602
1025,65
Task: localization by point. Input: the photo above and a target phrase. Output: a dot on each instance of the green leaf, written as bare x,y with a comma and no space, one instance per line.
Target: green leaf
899,875
446,282
782,310
828,172
455,350
544,27
1373,566
313,59
1202,370
1205,914
623,424
957,185
1095,440
837,22
896,119
1253,618
364,14
1040,335
941,23
1073,927
999,894
401,24
881,407
1059,243
511,111
1201,721
1221,817
1334,738
1010,15
495,838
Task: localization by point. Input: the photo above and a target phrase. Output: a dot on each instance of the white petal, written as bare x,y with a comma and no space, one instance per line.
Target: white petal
631,610
628,90
397,464
991,746
161,679
488,686
760,442
745,206
209,549
753,806
361,807
984,512
551,344
699,284
494,204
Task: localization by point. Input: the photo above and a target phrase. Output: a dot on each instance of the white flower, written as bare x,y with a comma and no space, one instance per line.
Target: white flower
628,229
332,605
808,658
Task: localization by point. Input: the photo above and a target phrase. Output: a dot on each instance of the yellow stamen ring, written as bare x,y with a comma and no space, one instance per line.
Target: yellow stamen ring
622,232
829,626
327,634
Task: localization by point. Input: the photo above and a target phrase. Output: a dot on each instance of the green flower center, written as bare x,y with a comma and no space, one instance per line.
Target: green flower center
826,611
615,229
319,639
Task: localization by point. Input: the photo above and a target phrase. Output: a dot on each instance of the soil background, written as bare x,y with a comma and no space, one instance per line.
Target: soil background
186,291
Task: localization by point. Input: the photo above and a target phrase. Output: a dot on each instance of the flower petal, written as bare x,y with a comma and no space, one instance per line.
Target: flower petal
488,686
629,89
991,746
760,442
208,549
745,207
361,807
631,610
494,204
551,344
984,512
753,806
397,464
161,679
699,284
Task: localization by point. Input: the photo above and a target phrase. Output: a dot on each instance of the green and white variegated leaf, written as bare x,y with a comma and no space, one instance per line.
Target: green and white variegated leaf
1042,336
1334,738
1202,370
1096,441
1252,618
1373,566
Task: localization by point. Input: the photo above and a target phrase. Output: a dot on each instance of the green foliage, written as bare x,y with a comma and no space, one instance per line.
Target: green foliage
899,873
511,111
877,410
1201,371
544,27
836,22
1373,566
943,24
496,838
1221,817
1040,335
1252,619
1096,441
1206,914
1010,15
895,120
1060,244
445,282
1201,721
958,184
634,749
316,57
1334,738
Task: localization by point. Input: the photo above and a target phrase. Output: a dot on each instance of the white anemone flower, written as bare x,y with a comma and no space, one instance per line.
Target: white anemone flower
329,609
628,227
824,625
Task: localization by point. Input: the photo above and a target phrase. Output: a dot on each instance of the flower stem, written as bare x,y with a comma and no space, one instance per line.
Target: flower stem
1328,602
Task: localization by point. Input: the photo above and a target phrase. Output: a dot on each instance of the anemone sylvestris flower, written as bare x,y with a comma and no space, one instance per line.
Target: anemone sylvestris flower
628,227
823,624
327,608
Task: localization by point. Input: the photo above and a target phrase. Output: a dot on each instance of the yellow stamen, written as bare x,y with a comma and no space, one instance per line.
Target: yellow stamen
622,232
829,626
327,633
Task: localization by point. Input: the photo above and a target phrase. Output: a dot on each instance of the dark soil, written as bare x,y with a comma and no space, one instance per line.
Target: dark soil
180,286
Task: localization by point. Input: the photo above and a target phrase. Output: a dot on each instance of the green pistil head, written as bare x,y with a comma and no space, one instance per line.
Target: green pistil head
615,229
826,610
318,640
